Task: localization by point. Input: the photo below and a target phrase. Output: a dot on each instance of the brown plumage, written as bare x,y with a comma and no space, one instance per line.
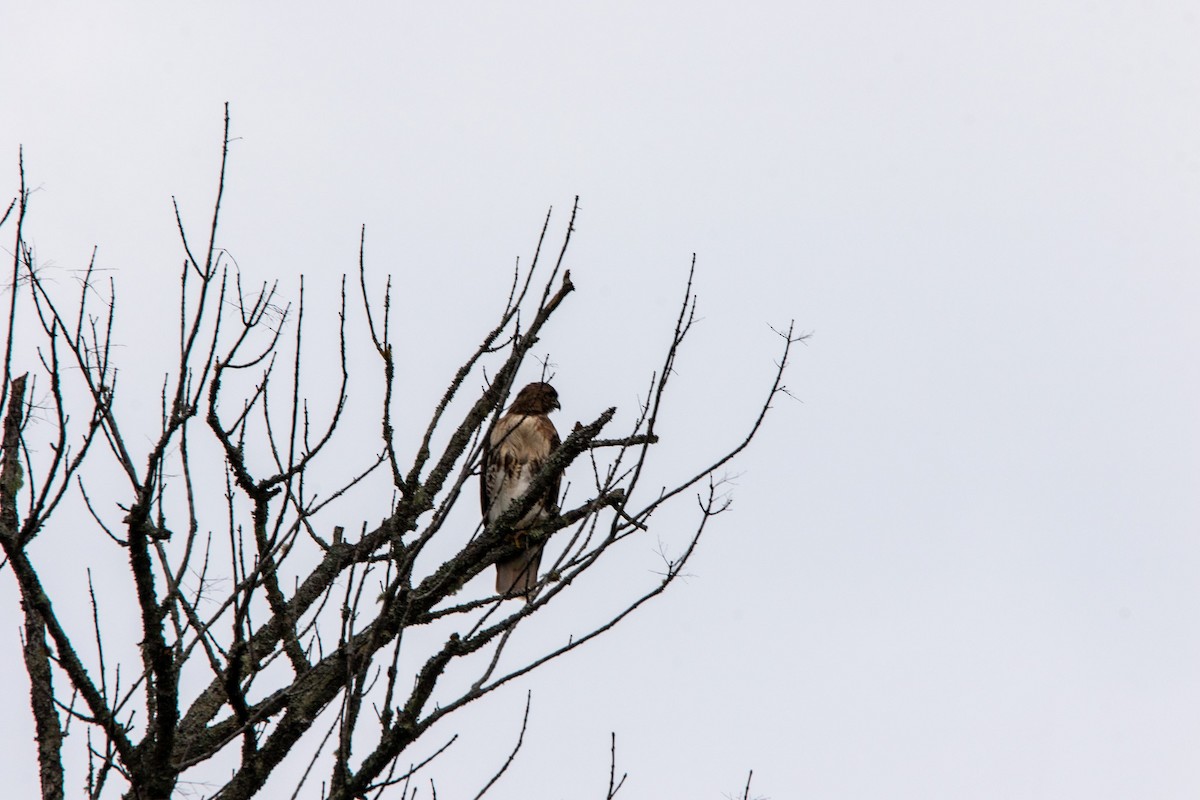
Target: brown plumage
514,453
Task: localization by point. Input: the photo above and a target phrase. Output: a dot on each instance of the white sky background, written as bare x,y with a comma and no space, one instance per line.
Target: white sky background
965,565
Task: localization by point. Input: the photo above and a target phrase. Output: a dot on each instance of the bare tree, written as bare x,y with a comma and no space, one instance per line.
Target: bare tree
265,628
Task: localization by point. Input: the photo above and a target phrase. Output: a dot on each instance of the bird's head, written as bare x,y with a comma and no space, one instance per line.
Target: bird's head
536,398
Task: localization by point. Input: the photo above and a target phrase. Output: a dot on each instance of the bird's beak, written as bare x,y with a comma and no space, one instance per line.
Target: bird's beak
558,405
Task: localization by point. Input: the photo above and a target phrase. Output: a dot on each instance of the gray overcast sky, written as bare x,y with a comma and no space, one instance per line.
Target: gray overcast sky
965,564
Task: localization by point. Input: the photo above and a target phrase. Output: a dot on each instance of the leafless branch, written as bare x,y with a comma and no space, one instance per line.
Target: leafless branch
614,785
264,629
511,756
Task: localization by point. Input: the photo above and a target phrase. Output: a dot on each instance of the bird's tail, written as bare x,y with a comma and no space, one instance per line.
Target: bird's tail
519,574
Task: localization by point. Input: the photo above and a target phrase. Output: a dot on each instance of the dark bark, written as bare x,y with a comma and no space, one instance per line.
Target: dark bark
36,654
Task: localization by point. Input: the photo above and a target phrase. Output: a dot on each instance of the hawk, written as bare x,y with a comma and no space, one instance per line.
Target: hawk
512,456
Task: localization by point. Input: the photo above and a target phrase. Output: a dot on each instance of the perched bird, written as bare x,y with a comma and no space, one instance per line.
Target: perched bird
519,445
